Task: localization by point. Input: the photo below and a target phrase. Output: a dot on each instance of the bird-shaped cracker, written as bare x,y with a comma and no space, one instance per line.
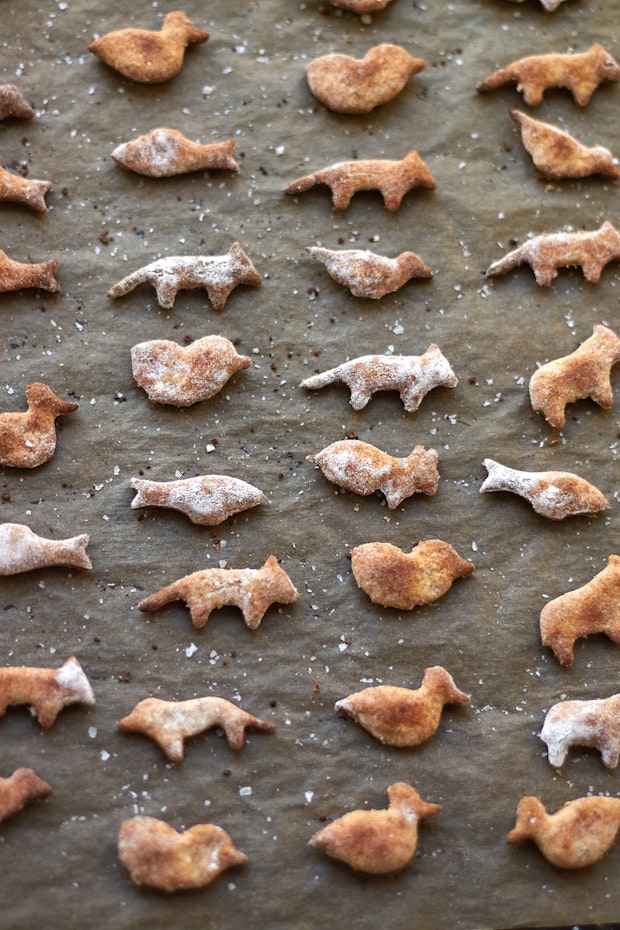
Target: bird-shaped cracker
170,723
18,276
12,103
592,608
584,373
163,153
28,439
579,73
577,835
378,841
593,723
404,580
552,494
413,376
19,789
367,274
253,590
159,857
184,375
21,550
207,500
350,85
146,56
590,251
402,716
219,275
393,179
29,193
556,154
362,468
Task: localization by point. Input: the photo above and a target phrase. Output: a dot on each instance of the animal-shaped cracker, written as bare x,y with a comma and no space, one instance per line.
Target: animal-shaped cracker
577,835
163,153
29,193
558,155
146,56
170,723
583,373
362,468
580,73
18,276
185,375
592,608
402,716
378,841
253,590
29,439
219,275
583,723
12,103
552,494
404,580
413,376
206,499
360,6
21,550
20,788
369,275
588,250
350,85
548,5
45,690
393,179
159,857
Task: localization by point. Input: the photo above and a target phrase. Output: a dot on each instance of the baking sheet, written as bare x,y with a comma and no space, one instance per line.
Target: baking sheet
248,82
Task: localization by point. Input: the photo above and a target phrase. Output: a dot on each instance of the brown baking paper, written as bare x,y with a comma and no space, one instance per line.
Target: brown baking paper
59,857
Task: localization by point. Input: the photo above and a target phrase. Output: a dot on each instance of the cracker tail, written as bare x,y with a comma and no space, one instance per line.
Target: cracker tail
74,551
301,185
314,382
160,598
127,284
507,263
495,80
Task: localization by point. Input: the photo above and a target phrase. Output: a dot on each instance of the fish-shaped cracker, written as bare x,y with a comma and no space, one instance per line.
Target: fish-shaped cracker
157,856
184,375
378,841
351,85
580,73
362,468
552,494
556,154
163,153
413,376
207,500
590,251
584,373
12,103
149,56
27,192
18,276
393,179
219,275
21,550
404,580
367,274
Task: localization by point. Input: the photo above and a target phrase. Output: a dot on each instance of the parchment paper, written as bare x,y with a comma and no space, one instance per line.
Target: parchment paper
60,865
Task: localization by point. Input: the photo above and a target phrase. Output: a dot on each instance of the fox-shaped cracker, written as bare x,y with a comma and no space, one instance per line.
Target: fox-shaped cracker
46,690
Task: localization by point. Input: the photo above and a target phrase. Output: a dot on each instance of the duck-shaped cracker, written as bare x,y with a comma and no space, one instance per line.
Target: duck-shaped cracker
20,788
18,276
253,590
29,193
350,85
170,723
577,835
404,580
21,550
146,56
580,73
159,857
556,154
12,103
207,500
402,716
29,439
367,274
552,494
163,153
592,608
378,841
